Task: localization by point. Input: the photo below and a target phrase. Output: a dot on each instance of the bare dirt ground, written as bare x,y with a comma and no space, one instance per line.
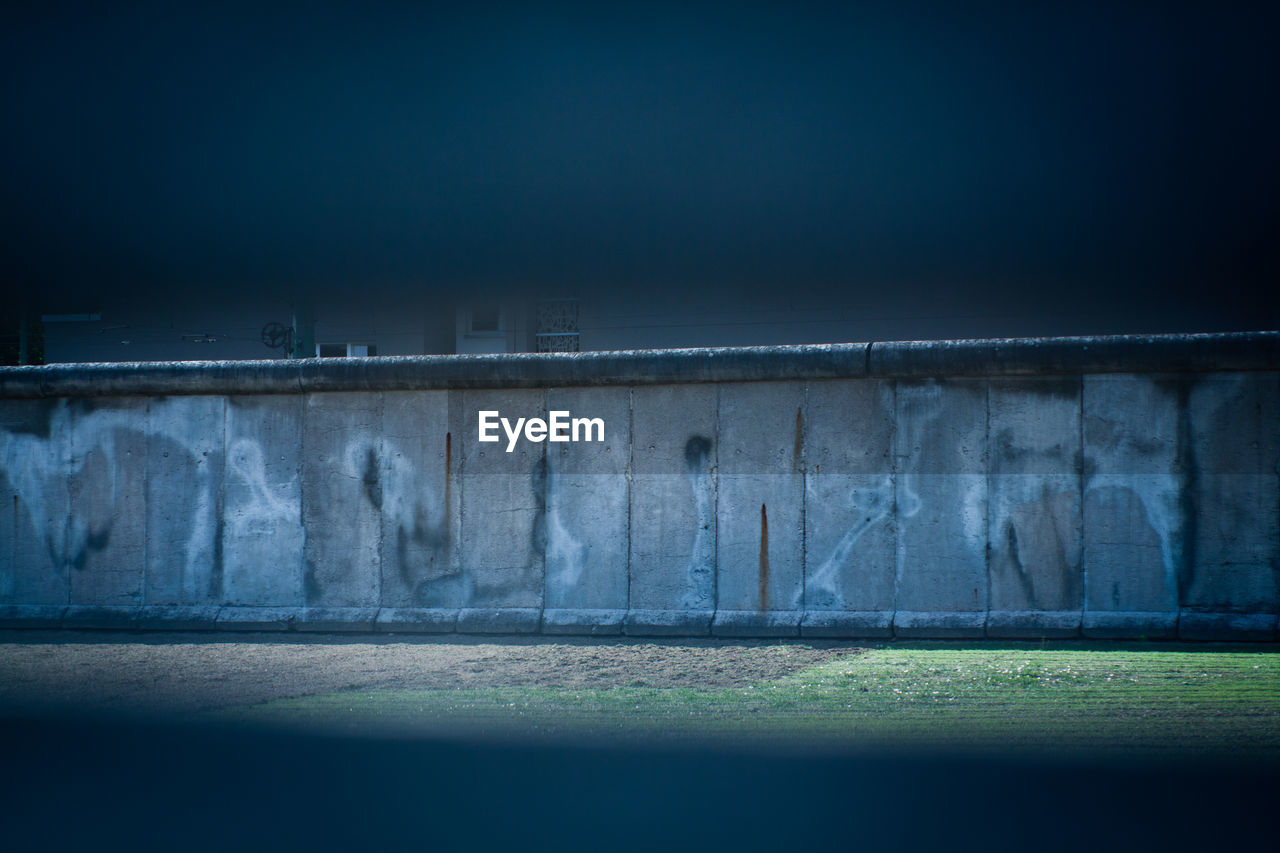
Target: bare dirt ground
120,672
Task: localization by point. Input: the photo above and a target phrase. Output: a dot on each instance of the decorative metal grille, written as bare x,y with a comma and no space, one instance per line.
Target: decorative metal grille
557,326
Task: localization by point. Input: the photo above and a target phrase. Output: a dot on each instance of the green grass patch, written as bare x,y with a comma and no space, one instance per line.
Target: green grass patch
929,695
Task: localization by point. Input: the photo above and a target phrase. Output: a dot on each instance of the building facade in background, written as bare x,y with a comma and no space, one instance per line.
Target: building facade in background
404,322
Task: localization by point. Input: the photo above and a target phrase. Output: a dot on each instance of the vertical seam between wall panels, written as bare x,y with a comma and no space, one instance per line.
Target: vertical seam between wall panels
1080,485
804,497
544,448
67,461
464,594
382,494
631,450
986,504
715,509
220,529
304,565
143,598
66,529
897,518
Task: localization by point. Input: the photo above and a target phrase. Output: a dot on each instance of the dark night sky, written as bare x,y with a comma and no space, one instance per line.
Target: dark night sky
938,151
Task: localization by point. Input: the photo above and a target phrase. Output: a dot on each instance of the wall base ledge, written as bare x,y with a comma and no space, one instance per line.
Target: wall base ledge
31,615
757,623
113,617
1248,627
569,620
667,623
1130,624
499,620
177,617
1034,624
416,620
847,623
1187,625
336,619
245,618
939,624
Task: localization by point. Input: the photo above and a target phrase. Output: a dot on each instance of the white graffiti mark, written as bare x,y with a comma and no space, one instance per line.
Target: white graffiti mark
871,505
566,555
36,468
262,530
1159,496
246,464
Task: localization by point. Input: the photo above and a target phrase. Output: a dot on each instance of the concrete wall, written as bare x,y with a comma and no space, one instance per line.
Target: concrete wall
1119,487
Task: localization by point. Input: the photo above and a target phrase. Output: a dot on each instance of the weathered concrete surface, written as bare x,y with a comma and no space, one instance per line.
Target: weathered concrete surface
419,467
939,624
1227,626
504,502
184,490
1132,539
588,494
673,510
1229,453
31,615
342,499
106,542
592,621
1130,625
416,620
498,620
1034,508
760,508
34,467
849,524
941,490
263,539
847,623
1222,352
329,619
1033,624
1108,504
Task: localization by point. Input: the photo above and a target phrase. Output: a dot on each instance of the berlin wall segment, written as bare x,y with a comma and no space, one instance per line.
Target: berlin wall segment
1106,504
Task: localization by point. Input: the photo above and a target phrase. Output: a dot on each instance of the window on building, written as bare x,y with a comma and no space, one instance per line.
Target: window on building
346,350
485,317
557,326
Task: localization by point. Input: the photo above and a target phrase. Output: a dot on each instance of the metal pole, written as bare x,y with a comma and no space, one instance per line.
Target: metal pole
304,329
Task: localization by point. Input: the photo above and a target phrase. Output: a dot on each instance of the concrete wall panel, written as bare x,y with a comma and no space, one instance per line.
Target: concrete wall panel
263,540
420,462
941,491
34,467
587,504
106,535
342,498
1035,508
1229,450
673,499
503,505
850,547
184,500
760,504
1132,534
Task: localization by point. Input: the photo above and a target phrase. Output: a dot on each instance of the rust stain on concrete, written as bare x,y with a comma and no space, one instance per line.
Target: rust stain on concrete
448,458
764,557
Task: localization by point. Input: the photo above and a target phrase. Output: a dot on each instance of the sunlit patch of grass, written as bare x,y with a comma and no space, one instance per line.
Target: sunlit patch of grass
926,695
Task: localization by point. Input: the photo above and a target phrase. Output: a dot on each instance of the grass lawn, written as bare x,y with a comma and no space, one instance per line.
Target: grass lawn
1149,699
